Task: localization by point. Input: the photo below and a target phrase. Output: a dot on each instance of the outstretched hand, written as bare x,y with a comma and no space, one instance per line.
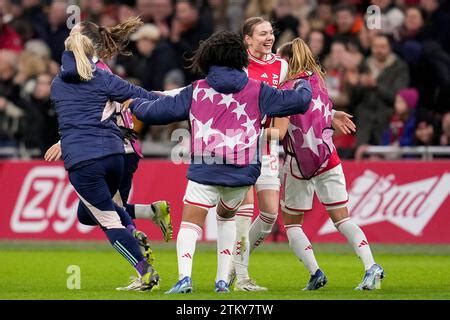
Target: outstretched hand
53,153
342,123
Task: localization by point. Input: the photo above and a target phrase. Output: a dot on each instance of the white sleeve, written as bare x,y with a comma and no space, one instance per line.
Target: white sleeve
333,112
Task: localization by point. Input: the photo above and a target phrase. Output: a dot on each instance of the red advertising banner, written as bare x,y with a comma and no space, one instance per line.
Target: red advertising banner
394,202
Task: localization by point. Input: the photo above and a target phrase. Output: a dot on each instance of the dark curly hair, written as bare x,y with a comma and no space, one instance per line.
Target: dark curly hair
223,48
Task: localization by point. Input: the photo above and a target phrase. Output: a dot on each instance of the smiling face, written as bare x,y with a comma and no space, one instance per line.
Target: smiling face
260,42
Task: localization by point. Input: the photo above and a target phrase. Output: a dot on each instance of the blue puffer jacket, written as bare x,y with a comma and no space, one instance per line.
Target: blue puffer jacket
86,133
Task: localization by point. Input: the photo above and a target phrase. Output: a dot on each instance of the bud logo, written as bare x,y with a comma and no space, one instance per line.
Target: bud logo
410,206
46,199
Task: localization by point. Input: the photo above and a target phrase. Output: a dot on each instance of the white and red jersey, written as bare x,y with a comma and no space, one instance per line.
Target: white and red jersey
273,70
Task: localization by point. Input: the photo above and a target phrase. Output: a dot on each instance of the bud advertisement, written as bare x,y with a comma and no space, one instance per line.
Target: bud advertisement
394,202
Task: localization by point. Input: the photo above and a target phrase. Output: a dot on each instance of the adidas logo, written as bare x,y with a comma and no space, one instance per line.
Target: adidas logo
308,247
226,251
187,255
363,243
264,75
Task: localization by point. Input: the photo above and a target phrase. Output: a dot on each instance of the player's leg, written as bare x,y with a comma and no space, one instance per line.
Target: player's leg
198,200
298,199
268,193
158,211
332,192
230,201
241,250
91,185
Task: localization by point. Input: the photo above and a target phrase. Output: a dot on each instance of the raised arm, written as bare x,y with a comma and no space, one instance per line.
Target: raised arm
281,103
120,90
165,109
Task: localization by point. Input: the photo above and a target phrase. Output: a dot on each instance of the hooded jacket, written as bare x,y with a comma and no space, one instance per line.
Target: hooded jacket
223,81
88,130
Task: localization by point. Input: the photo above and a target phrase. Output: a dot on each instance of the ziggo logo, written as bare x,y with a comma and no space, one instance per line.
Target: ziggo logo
46,200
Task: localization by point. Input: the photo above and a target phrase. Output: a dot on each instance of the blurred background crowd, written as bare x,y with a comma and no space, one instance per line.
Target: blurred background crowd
394,79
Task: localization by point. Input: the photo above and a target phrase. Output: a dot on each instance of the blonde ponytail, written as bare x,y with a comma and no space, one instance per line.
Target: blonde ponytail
83,50
300,59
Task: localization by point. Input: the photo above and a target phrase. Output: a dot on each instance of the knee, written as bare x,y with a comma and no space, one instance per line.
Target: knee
85,218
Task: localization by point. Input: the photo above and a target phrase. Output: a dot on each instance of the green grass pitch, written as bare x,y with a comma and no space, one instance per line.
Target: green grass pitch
39,271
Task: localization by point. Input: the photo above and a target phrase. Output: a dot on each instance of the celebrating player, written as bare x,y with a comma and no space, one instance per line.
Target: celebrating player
225,112
108,43
92,145
272,70
312,165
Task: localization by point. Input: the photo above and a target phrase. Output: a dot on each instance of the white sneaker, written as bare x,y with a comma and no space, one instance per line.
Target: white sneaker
248,285
148,282
134,285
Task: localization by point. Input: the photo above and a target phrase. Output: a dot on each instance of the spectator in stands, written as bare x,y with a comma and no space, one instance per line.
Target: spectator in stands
319,43
348,25
445,126
33,17
437,23
391,16
162,15
40,117
92,10
425,134
188,29
56,30
260,8
153,58
428,63
216,11
124,12
341,65
383,74
10,123
145,10
301,9
9,38
286,25
8,69
401,127
28,67
322,17
40,49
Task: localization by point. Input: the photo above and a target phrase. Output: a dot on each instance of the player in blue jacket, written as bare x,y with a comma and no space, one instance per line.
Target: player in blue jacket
109,42
92,145
225,111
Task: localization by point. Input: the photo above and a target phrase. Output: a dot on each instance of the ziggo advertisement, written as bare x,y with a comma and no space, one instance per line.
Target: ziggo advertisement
394,202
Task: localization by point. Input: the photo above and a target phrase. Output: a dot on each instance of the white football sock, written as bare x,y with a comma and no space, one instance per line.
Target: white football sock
242,246
261,228
299,243
226,236
143,211
186,240
356,237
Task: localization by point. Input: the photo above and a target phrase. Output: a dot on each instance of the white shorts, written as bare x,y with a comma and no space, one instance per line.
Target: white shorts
208,196
299,193
270,170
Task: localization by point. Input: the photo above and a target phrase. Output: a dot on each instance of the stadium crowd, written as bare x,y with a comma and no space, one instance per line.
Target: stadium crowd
393,77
